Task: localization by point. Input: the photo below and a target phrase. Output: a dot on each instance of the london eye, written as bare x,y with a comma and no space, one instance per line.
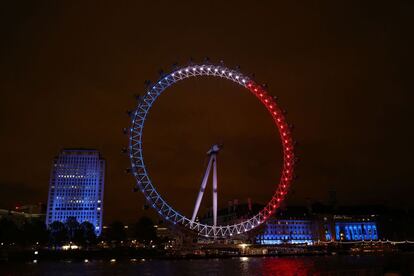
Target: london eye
155,199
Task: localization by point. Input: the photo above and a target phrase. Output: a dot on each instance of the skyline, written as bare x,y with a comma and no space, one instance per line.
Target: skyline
67,82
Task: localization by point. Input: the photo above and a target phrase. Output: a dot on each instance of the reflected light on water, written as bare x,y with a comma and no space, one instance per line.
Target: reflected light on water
244,259
278,266
287,266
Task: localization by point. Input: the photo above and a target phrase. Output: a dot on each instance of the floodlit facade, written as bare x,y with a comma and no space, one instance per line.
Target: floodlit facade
77,187
356,231
288,231
296,225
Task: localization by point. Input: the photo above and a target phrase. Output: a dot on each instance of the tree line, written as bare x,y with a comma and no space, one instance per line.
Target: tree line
34,231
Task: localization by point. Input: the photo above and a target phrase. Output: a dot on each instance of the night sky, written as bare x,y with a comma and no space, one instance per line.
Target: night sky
341,69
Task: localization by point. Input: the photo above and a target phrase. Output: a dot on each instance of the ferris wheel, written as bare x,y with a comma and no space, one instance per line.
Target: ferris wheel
143,181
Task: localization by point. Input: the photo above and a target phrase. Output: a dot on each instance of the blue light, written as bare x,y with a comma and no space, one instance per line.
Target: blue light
272,241
287,231
76,188
356,230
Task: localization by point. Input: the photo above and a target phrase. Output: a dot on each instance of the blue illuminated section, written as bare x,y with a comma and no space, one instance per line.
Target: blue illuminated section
77,187
287,231
337,232
356,231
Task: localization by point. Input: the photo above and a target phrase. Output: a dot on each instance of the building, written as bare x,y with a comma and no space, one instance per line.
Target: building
346,223
25,213
303,225
299,225
289,226
355,229
77,187
287,231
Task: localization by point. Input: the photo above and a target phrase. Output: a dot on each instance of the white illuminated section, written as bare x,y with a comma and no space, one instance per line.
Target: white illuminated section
211,163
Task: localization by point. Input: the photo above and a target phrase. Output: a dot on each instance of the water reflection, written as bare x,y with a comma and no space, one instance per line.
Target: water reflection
402,264
288,266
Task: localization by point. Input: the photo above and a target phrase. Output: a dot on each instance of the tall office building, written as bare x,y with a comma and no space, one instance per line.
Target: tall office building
77,187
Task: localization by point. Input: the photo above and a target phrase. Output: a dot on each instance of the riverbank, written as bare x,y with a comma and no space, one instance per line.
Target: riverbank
383,264
36,254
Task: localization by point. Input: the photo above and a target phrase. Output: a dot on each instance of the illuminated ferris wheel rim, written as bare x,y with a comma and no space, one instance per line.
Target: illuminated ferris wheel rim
143,182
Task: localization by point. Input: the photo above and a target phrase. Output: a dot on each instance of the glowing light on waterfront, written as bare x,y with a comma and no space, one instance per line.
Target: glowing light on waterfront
70,246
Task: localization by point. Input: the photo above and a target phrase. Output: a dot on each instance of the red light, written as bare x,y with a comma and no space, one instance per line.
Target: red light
287,144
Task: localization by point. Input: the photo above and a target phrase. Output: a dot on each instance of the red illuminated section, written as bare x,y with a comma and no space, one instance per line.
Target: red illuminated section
287,144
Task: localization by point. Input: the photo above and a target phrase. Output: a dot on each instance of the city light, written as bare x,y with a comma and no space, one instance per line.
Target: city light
244,245
70,246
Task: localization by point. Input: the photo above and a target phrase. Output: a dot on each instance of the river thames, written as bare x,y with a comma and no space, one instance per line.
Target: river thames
398,264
